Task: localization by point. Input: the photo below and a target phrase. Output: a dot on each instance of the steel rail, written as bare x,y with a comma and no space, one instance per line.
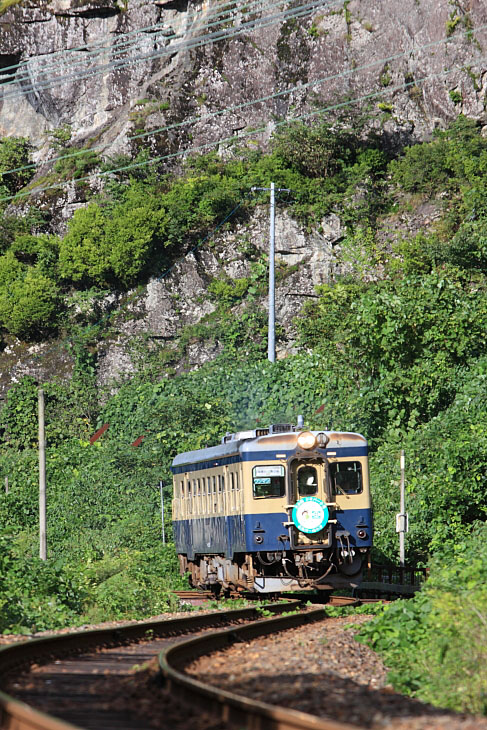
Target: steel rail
17,715
235,710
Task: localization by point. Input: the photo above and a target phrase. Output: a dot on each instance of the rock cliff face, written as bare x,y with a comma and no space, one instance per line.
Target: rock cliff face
86,63
192,75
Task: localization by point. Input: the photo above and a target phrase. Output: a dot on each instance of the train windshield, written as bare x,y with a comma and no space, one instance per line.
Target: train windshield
307,481
268,481
346,477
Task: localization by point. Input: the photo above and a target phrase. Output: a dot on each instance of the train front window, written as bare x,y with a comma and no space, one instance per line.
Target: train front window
268,481
346,477
307,481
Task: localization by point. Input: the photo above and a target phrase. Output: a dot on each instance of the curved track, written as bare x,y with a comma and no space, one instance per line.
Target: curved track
236,710
74,688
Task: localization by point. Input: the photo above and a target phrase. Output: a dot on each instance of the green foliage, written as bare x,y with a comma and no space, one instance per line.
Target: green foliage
40,251
455,156
318,151
227,291
437,641
446,472
60,137
403,339
35,595
455,96
10,269
77,164
5,4
11,225
14,153
112,245
452,23
30,305
19,416
385,77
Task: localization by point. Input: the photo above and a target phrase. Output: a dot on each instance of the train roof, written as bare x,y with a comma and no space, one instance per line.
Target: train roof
265,440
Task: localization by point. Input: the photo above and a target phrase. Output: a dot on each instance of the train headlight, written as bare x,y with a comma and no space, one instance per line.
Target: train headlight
306,440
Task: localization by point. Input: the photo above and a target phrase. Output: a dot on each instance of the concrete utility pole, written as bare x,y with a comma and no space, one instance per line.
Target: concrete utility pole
271,337
42,480
402,525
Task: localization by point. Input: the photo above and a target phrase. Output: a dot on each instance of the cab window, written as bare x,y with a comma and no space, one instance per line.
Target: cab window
346,477
307,481
268,481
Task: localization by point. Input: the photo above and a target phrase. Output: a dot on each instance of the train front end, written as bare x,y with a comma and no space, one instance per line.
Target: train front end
308,510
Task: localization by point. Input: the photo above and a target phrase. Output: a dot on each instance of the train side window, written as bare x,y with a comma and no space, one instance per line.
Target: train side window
223,483
214,484
232,481
268,481
188,490
208,485
307,481
346,477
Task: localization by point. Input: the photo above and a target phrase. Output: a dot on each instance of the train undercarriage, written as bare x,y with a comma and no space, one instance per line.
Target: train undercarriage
271,572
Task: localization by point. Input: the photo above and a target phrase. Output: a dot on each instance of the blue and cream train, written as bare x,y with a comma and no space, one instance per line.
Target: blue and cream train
274,509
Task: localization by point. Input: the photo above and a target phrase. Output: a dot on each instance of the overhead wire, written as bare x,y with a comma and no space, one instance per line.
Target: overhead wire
102,43
243,105
243,135
156,29
207,39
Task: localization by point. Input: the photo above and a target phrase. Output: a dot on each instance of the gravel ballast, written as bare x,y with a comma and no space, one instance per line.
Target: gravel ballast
321,669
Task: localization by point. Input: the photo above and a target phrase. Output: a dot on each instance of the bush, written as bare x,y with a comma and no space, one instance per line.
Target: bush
436,642
112,245
30,306
456,155
15,153
35,595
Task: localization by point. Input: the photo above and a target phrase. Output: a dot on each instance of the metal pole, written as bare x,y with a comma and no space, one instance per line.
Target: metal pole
42,480
271,340
402,510
161,487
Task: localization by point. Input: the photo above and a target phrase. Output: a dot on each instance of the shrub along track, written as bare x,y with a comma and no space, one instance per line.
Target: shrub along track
82,690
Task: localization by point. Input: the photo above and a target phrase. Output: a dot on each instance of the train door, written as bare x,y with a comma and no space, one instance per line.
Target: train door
309,496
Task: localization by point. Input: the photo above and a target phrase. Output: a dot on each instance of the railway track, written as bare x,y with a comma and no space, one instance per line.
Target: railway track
197,598
74,674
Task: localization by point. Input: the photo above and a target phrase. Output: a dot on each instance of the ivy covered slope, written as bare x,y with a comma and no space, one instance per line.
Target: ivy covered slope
394,347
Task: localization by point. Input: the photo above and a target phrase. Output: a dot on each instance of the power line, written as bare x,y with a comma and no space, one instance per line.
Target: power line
197,42
100,44
253,132
156,30
243,105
